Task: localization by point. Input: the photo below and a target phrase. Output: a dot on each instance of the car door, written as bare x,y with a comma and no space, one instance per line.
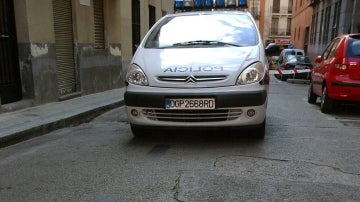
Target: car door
323,66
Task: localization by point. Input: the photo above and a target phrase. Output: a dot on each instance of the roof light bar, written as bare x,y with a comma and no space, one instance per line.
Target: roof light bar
188,5
208,3
178,4
242,4
231,3
198,4
220,4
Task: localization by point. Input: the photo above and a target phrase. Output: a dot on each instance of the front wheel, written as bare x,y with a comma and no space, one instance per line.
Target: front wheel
327,103
260,132
138,131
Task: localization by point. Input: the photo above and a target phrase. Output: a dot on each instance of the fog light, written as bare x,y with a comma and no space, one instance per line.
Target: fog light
134,112
234,114
251,112
148,112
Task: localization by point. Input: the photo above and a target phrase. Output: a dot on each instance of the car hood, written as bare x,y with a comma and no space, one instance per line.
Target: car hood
195,67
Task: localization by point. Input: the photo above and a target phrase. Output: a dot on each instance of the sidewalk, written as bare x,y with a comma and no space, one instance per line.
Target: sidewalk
35,121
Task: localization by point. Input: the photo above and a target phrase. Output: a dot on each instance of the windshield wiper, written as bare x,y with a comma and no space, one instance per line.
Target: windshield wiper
204,42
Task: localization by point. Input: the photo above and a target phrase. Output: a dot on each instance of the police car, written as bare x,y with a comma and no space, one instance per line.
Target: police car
199,69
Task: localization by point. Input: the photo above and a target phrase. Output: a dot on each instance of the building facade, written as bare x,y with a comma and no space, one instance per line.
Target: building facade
329,19
52,50
301,23
277,22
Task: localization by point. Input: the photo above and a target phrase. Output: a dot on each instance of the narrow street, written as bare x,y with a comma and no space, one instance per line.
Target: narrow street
305,156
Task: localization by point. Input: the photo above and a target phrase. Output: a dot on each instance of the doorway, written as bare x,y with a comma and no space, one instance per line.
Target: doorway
10,82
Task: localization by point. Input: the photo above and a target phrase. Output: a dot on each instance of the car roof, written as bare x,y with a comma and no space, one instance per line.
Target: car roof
292,49
348,35
207,13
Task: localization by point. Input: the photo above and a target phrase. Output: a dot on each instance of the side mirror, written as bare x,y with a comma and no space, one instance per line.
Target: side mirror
318,59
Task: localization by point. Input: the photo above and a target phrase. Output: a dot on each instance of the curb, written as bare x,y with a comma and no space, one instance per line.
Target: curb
69,121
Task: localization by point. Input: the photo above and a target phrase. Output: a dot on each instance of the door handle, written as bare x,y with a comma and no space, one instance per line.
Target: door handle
4,36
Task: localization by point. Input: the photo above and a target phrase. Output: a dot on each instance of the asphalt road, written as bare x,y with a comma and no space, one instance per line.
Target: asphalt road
305,156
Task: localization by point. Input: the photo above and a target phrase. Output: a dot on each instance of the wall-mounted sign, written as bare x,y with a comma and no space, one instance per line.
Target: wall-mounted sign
282,41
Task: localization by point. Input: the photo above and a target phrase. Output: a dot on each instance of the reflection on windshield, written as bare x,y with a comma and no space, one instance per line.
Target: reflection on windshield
235,29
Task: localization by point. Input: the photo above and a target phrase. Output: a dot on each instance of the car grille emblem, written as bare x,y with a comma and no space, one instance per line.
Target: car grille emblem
190,79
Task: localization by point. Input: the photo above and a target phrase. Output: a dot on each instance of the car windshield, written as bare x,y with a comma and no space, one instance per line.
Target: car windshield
293,52
203,30
298,59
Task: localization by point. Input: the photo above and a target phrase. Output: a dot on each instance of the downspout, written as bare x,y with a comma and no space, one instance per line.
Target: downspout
353,17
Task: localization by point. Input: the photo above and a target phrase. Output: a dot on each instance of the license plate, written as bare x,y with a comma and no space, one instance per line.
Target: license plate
190,103
300,67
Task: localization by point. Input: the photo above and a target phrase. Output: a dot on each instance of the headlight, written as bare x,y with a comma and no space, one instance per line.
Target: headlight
251,74
135,75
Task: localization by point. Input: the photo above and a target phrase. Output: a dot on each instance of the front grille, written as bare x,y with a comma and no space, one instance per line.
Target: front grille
194,115
184,79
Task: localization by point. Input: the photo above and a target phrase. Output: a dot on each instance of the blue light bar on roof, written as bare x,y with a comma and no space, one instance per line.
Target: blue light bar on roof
208,3
231,3
178,4
242,4
198,4
219,3
188,5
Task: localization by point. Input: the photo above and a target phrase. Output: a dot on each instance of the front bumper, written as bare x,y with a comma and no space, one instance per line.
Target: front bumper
233,107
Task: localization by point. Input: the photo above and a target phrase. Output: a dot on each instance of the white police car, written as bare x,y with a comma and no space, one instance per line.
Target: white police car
199,69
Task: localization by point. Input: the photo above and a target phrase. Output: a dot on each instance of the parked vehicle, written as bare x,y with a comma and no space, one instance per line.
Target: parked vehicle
203,69
272,49
336,76
300,65
286,52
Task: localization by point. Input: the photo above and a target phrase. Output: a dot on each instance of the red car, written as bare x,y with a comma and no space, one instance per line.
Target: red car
336,76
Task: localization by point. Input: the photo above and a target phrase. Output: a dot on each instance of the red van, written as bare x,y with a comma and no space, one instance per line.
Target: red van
336,76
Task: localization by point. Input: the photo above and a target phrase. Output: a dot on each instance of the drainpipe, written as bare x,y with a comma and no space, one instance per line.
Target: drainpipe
353,18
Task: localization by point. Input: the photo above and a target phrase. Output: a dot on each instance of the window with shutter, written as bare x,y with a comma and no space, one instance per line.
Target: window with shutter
99,24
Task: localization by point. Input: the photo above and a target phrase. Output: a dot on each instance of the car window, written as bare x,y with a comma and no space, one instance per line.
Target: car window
289,53
238,29
333,48
303,59
353,49
330,49
293,52
298,59
290,57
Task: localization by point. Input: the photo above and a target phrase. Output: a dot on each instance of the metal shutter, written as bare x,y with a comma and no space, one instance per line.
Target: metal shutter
64,46
99,24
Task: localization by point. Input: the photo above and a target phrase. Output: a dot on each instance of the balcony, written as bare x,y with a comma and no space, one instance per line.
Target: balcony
281,10
280,32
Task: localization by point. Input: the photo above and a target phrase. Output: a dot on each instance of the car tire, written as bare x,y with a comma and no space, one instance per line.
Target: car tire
138,131
260,132
311,95
327,103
